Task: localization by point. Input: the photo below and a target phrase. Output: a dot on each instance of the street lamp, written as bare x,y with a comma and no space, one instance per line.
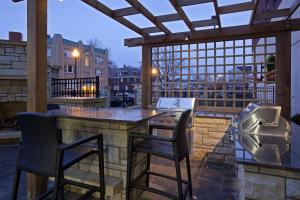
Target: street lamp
154,72
75,55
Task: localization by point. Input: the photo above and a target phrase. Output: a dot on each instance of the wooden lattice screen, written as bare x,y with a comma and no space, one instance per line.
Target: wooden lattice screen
224,75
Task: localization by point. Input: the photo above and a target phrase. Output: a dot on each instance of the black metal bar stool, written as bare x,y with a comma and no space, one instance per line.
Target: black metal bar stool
43,153
174,148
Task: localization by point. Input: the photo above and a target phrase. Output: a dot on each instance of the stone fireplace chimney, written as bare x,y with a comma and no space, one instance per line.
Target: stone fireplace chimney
15,36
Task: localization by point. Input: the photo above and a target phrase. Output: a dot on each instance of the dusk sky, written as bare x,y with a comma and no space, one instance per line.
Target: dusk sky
77,21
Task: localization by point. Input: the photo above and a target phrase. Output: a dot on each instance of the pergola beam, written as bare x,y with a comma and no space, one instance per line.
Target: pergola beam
273,14
182,14
168,18
217,12
240,7
138,6
108,12
151,30
125,12
227,33
192,2
203,23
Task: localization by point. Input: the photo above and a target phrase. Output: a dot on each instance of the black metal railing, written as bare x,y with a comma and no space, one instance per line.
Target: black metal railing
76,87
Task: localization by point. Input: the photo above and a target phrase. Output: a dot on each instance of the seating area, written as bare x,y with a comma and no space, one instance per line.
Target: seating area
210,180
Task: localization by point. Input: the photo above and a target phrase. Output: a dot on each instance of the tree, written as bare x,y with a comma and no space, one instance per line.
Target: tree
96,43
168,64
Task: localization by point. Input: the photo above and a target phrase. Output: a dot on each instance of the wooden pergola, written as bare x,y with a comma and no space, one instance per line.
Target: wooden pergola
260,25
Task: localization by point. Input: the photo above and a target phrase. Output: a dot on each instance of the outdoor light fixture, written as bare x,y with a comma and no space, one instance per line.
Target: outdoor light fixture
154,71
187,38
75,55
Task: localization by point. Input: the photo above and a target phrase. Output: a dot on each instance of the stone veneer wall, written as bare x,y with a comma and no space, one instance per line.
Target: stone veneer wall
115,148
12,71
268,183
211,140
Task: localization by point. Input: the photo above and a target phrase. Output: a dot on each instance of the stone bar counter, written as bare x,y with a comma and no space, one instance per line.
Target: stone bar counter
211,137
269,180
115,124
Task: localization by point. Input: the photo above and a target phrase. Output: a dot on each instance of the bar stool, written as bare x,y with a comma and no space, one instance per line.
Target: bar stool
43,153
174,148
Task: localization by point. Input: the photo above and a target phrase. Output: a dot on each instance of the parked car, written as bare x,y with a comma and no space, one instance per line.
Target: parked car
117,101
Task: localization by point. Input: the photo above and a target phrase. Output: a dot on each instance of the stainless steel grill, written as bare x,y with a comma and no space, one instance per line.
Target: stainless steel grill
264,133
174,106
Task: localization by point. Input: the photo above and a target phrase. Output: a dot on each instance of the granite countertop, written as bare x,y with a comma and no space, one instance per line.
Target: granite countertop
289,157
106,114
214,115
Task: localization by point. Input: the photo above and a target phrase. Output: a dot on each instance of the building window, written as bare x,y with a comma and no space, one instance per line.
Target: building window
49,52
68,53
99,60
86,61
69,69
99,72
116,87
126,87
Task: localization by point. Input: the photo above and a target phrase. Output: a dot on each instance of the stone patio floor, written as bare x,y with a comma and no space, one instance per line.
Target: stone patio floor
211,181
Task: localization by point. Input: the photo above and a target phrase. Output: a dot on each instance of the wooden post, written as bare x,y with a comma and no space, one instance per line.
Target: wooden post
283,73
146,76
37,75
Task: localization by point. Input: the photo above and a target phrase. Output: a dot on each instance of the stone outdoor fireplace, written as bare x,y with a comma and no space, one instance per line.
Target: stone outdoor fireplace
13,79
13,89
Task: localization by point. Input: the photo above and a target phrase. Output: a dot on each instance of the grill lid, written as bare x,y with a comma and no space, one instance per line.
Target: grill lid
175,104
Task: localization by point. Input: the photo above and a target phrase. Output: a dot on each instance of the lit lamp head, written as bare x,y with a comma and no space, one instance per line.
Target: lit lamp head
75,53
154,71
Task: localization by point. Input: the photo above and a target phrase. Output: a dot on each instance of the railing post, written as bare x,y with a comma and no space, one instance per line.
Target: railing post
97,87
123,99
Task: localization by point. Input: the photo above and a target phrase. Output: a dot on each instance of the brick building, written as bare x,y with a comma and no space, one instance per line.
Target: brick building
91,62
126,78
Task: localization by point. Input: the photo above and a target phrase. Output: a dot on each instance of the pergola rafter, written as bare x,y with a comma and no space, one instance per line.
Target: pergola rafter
138,6
240,7
217,13
125,12
110,13
182,14
254,11
269,15
192,2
